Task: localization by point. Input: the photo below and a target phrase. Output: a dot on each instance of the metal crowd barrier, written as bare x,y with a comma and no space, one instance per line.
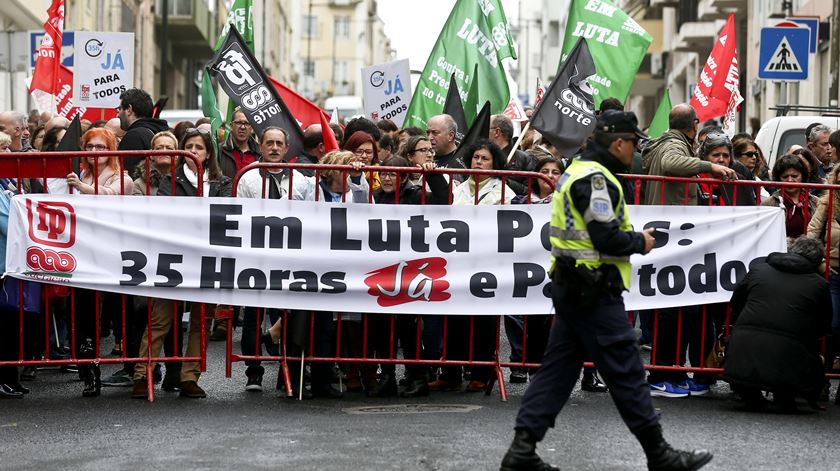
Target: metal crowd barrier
40,167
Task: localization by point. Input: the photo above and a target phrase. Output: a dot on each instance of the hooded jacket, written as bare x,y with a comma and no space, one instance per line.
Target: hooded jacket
138,136
671,156
782,308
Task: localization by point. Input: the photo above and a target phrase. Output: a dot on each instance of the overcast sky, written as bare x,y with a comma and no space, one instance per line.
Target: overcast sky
414,26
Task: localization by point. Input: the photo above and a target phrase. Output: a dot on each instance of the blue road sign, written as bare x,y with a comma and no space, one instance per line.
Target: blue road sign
67,38
814,25
784,54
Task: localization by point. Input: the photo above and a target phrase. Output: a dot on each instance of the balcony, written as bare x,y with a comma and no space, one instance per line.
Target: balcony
708,11
735,5
190,23
696,36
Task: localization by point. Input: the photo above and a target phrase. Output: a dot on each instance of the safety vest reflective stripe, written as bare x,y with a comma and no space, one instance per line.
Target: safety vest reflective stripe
586,254
568,234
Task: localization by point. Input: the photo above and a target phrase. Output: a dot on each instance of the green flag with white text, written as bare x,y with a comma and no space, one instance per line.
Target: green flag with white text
659,124
240,16
617,44
209,107
476,33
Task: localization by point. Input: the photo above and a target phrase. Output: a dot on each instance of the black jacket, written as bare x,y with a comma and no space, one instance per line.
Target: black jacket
138,136
183,187
523,162
412,194
783,308
226,160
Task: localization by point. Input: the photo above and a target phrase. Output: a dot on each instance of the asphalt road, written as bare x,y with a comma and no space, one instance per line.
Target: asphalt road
55,428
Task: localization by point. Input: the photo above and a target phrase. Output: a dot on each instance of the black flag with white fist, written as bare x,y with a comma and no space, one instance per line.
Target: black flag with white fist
566,114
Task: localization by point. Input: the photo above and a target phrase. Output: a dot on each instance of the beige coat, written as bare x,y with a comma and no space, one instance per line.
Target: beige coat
820,216
671,156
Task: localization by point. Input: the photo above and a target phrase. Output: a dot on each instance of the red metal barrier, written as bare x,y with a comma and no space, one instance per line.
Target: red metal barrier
445,360
41,167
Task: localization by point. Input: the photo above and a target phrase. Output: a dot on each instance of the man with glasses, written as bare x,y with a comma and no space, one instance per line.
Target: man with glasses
135,114
240,148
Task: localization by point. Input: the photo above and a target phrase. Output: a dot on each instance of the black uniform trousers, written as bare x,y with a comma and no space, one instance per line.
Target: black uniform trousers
603,332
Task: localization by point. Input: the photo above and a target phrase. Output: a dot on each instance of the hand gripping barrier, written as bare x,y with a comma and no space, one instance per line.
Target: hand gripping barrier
39,340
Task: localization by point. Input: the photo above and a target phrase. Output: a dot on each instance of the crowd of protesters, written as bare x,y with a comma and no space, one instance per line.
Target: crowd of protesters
685,150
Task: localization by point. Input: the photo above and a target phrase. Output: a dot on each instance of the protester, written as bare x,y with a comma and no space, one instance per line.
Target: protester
818,144
781,309
147,185
501,133
417,150
135,115
100,175
364,147
14,124
37,137
799,204
441,130
240,148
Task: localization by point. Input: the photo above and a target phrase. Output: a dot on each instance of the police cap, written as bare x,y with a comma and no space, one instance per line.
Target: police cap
614,121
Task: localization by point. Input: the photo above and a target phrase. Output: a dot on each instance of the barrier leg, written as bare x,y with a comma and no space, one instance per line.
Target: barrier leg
150,381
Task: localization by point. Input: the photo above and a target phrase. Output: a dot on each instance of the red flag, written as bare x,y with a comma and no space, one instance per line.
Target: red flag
46,73
719,79
303,110
330,144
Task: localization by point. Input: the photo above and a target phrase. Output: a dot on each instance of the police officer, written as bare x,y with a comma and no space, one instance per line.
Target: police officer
592,240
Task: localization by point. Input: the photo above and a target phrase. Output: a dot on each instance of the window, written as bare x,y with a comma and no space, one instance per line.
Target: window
553,33
341,67
309,68
342,27
310,26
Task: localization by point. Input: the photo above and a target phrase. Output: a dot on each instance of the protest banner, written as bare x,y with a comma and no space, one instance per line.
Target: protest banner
363,257
104,68
387,91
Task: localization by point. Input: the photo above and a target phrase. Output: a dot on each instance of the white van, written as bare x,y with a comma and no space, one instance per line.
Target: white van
348,106
173,117
778,134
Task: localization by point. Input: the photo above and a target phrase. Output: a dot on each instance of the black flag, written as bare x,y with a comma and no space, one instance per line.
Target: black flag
566,114
71,142
480,129
455,108
247,85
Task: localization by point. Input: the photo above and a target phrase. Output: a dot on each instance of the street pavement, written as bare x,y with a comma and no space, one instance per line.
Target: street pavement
54,428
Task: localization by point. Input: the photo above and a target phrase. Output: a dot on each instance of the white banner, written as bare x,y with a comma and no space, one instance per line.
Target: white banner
360,257
387,91
103,69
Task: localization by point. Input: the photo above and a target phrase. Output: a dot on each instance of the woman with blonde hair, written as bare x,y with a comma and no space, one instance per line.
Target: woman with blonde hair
100,175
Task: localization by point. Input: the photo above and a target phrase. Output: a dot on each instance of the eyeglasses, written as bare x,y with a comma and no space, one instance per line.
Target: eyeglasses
95,148
361,152
752,154
427,150
241,124
387,176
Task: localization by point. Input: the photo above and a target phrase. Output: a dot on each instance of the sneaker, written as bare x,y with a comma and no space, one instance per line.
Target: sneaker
694,389
667,389
118,379
254,383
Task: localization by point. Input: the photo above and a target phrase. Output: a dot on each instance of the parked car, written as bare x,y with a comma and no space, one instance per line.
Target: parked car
172,117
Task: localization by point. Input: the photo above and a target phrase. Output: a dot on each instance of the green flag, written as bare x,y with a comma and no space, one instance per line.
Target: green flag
659,124
209,107
617,44
240,16
476,33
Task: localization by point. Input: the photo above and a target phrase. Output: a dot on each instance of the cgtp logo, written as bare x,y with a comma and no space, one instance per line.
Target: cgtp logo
50,261
409,281
51,223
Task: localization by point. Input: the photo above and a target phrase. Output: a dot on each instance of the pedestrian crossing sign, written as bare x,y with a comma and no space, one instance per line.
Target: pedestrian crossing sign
784,54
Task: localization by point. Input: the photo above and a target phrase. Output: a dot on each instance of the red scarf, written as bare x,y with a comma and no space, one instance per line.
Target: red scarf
796,222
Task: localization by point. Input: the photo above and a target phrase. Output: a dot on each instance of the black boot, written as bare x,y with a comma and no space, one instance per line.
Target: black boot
385,387
416,388
662,457
89,372
522,455
591,382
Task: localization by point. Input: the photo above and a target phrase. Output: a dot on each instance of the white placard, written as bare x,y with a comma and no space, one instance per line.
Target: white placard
387,91
363,257
103,69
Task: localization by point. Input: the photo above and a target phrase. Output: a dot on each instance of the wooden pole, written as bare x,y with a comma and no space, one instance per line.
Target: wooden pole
518,141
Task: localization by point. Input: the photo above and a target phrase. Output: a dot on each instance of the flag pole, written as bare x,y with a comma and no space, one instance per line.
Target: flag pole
518,141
